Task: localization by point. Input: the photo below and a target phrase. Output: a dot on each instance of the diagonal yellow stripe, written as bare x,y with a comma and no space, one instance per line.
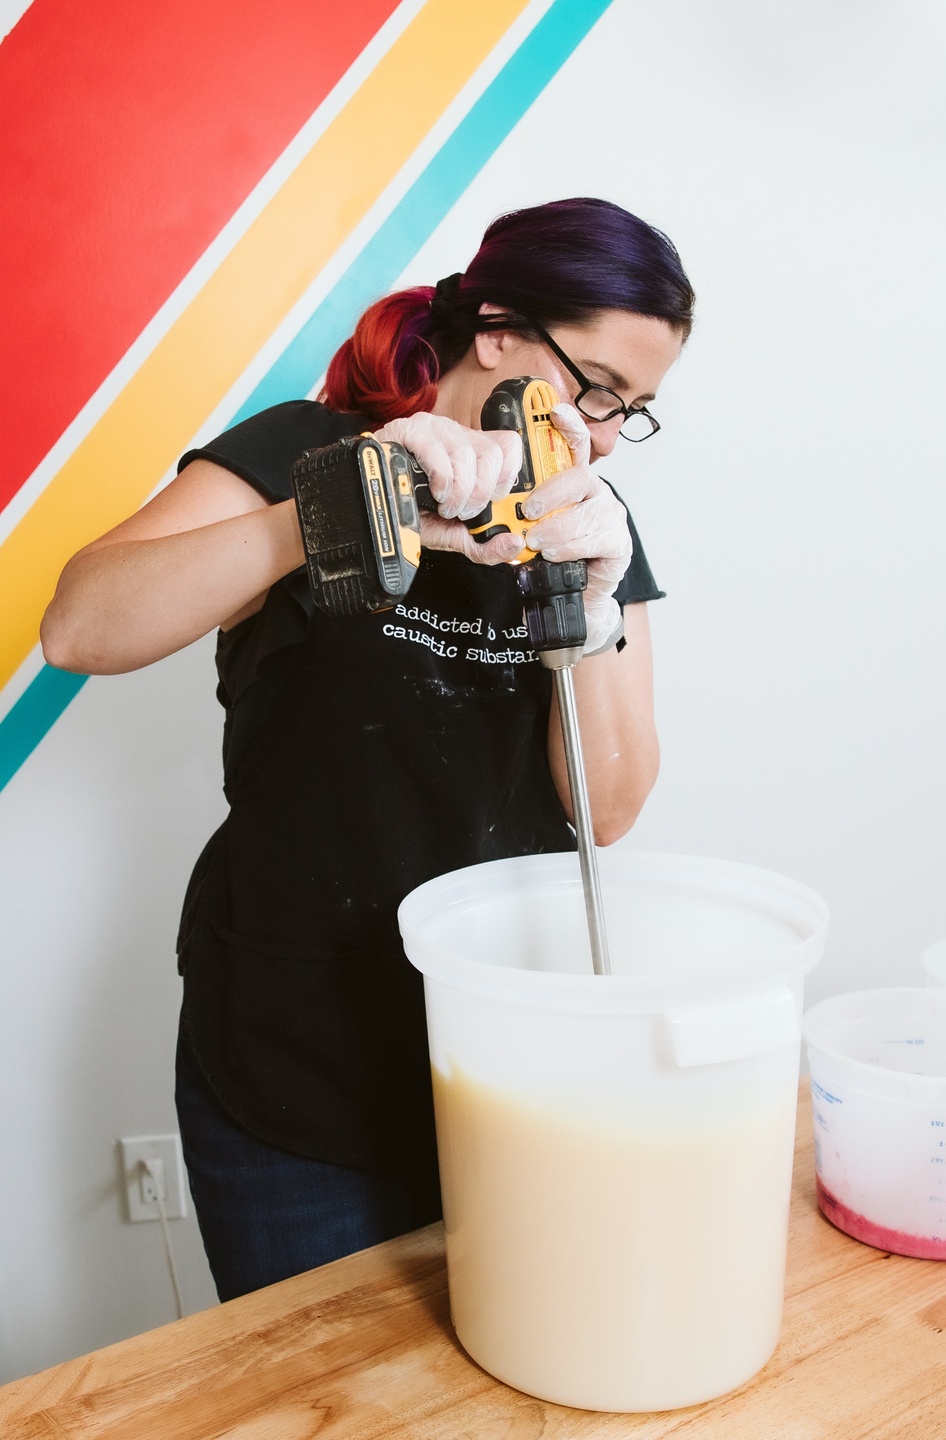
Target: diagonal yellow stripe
209,346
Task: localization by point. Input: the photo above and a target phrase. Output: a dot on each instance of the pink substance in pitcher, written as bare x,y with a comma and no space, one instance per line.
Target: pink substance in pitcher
897,1242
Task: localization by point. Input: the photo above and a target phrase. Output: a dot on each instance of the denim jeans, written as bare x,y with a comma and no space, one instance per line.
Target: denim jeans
265,1214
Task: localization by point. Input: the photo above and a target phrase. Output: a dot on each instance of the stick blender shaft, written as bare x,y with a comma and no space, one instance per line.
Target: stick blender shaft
587,855
555,616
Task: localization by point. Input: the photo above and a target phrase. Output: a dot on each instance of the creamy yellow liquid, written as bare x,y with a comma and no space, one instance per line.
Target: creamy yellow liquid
613,1269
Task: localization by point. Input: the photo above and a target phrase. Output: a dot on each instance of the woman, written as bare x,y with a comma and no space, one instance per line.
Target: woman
365,755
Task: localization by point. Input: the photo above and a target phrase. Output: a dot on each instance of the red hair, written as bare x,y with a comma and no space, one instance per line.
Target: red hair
387,368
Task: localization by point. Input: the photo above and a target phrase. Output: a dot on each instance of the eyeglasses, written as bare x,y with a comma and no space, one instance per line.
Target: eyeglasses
597,402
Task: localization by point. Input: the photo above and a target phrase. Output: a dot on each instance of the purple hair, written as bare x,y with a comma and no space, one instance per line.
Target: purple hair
559,263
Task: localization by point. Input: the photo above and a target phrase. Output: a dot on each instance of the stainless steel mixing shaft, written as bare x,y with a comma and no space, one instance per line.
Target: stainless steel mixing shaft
578,784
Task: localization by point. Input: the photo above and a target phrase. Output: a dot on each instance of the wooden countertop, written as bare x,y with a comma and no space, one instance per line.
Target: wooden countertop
363,1350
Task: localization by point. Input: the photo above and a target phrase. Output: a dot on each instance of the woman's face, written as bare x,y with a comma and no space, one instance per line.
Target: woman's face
625,352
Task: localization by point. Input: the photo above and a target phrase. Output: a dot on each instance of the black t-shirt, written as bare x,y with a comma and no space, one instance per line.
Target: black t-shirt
362,756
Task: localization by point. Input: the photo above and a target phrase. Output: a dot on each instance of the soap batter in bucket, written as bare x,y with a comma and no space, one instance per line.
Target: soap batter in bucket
364,755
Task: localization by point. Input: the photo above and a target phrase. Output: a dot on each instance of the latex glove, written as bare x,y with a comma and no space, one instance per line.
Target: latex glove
591,525
466,469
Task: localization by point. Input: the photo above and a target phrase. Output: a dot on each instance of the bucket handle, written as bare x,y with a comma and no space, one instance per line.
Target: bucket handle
733,1030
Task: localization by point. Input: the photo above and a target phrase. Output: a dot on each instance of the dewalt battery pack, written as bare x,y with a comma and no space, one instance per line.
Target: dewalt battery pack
360,524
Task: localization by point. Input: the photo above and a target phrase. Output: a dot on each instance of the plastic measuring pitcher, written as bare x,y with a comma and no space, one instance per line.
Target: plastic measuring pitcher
878,1093
615,1151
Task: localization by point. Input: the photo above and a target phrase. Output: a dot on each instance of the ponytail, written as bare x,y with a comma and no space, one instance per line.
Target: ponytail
388,368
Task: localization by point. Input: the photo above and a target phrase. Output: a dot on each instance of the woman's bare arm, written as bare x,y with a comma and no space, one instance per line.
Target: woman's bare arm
202,554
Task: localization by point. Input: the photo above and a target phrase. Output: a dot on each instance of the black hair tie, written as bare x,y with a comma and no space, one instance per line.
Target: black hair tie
445,296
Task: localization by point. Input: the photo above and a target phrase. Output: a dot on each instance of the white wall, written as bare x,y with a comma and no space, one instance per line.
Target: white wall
798,513
99,831
793,507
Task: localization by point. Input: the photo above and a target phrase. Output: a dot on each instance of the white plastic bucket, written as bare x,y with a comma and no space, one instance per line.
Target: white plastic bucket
615,1152
878,1094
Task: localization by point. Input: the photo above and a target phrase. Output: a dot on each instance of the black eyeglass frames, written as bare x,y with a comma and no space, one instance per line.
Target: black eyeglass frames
597,402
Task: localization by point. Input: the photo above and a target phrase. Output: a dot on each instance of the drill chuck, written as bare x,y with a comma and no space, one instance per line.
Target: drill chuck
554,609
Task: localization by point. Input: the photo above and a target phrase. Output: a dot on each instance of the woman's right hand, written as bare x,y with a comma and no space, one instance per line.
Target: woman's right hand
466,470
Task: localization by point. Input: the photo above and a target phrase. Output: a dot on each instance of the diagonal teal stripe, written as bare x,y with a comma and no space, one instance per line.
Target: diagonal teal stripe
433,194
37,709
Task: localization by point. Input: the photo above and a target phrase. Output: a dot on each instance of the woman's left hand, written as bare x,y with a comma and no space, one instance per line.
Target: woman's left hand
580,518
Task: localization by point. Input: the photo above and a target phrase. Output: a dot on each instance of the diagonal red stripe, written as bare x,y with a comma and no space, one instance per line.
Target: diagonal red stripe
129,134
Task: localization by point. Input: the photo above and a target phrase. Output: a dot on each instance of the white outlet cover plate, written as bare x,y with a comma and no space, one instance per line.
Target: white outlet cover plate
166,1148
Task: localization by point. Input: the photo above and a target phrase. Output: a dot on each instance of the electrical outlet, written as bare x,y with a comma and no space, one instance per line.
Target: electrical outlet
163,1152
151,1182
